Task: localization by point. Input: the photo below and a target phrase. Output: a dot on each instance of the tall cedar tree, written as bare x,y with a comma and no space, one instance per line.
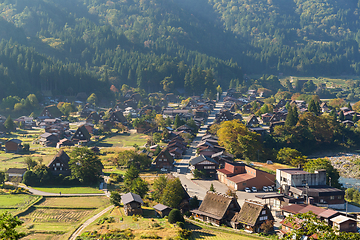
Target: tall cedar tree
341,116
290,118
173,193
9,124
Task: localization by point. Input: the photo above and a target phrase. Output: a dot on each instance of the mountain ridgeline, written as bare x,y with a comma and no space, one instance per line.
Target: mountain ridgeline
72,46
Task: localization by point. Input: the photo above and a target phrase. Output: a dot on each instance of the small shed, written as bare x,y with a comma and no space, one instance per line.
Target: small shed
132,204
344,224
162,210
16,172
13,146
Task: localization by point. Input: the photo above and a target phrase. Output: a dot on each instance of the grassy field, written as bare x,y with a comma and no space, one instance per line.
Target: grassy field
14,202
151,225
58,217
68,189
122,140
339,81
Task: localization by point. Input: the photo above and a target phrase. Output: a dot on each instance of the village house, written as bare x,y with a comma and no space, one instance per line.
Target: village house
299,183
222,157
204,164
26,122
252,121
13,146
266,117
132,204
238,176
118,117
60,164
48,139
251,216
164,160
216,209
51,111
162,210
81,135
344,224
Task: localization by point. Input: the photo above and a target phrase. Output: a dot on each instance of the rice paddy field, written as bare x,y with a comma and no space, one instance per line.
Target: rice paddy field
58,217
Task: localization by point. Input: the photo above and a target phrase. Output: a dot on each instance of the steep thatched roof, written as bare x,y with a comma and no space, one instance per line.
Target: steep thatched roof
62,157
249,213
215,205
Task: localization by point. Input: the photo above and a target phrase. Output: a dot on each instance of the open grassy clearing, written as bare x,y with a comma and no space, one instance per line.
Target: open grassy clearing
122,140
73,202
68,189
271,168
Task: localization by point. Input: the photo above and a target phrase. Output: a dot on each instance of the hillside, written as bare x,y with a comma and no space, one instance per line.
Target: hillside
182,44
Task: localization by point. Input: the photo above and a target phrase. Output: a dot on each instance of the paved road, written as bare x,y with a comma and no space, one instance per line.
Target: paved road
88,222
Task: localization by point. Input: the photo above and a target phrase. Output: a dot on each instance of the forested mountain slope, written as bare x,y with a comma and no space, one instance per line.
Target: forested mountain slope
168,44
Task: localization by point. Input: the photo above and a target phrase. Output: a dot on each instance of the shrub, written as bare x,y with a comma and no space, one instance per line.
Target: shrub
175,216
184,233
180,225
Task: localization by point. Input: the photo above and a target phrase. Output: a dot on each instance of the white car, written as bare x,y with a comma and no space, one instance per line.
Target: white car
270,188
265,189
247,190
254,189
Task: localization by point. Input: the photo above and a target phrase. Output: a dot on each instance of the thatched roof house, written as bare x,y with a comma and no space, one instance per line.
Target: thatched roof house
251,216
216,208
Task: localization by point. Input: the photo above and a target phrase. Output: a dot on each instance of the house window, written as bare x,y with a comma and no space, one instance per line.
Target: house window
263,218
160,159
321,200
263,212
332,197
339,197
54,168
165,159
57,164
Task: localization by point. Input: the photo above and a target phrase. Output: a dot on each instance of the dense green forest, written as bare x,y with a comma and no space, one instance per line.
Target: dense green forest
73,46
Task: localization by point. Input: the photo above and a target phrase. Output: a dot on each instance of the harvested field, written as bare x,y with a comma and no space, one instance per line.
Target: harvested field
58,215
74,202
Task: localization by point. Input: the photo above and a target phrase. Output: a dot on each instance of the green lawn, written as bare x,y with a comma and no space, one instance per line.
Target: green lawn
68,189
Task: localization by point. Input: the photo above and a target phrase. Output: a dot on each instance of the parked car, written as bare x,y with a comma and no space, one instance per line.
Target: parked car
254,189
270,188
247,189
265,189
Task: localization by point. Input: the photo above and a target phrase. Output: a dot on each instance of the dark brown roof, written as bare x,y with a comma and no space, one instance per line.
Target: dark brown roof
17,170
294,208
167,155
249,213
62,157
215,204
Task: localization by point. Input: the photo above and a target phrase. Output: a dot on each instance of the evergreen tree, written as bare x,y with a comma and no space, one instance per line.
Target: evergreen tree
290,118
314,107
341,116
349,106
355,119
296,114
9,124
212,188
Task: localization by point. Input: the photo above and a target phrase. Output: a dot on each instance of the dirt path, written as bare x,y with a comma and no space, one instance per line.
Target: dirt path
88,222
